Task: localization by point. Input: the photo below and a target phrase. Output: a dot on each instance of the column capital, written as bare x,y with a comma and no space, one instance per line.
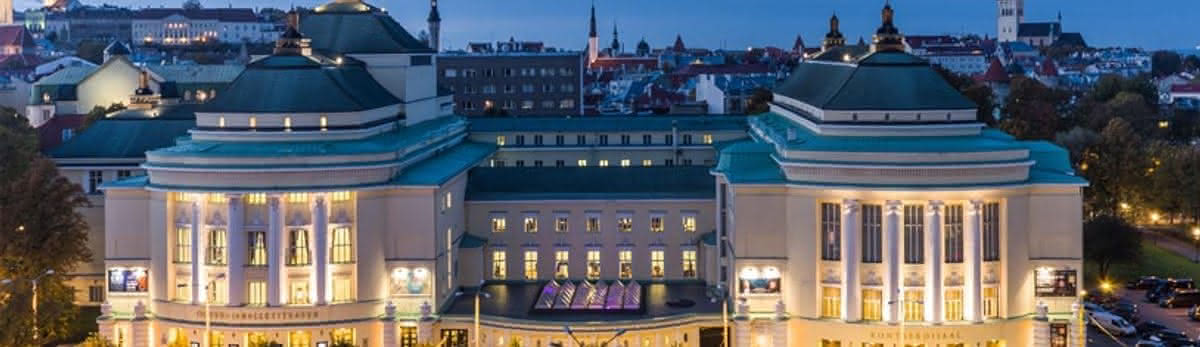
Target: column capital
974,206
850,206
273,201
319,200
893,206
934,207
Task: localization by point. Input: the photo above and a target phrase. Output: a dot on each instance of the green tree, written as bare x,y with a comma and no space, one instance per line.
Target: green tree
976,91
760,101
97,113
1109,240
91,50
1165,63
18,143
94,340
1116,168
1032,110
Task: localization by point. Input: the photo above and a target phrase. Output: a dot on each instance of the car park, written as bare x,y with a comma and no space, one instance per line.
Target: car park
1181,298
1166,287
1112,323
1142,283
1170,338
1149,327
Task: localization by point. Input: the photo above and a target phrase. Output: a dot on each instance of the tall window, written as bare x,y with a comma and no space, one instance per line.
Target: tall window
657,263
656,224
625,223
499,224
256,293
258,248
689,264
531,224
531,265
95,179
408,336
954,234
914,306
593,223
298,293
954,304
872,304
689,223
343,292
991,303
831,229
183,245
593,264
914,234
872,233
216,247
298,247
561,224
831,302
991,231
562,260
343,247
499,265
625,257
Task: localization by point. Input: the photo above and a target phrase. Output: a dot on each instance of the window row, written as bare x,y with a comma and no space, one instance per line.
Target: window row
602,140
509,72
913,229
911,306
256,291
297,252
562,259
598,163
624,222
526,105
513,89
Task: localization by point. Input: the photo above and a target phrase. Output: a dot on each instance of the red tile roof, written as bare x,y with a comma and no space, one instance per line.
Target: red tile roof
16,35
995,72
50,133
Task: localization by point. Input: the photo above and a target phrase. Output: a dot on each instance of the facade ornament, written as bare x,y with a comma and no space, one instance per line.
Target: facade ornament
1043,310
426,310
139,310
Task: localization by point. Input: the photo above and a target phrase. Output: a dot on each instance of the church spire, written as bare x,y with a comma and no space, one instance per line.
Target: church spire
834,37
435,25
888,37
592,33
616,43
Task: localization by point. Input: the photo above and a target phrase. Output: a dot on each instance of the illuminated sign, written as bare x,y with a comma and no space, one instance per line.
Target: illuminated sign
128,280
1055,283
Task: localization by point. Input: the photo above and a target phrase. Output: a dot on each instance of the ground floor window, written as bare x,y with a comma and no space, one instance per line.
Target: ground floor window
499,265
454,337
657,263
343,335
954,304
914,305
256,339
593,268
408,337
995,343
991,301
831,303
830,343
257,293
626,261
872,304
1058,335
177,338
216,339
299,339
531,259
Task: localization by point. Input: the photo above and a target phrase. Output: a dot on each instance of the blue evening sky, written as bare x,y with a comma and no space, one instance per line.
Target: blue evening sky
731,24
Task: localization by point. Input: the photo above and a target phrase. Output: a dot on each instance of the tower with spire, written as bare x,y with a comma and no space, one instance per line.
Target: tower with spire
435,26
616,42
834,37
1009,16
593,49
887,37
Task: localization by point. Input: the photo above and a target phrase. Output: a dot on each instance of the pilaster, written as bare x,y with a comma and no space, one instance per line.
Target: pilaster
275,254
197,283
933,262
891,262
321,265
972,252
851,305
237,244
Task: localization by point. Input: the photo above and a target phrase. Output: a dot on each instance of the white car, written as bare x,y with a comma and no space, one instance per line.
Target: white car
1112,323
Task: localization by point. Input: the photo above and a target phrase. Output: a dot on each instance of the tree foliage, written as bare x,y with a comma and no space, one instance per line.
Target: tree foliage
1116,167
977,92
760,101
1033,110
1109,240
1165,63
97,113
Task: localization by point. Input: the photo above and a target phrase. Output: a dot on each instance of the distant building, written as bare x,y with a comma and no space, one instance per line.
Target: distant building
517,83
730,94
75,24
1011,26
951,53
177,26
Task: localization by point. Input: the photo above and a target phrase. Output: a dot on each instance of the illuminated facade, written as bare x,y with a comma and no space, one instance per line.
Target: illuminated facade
331,195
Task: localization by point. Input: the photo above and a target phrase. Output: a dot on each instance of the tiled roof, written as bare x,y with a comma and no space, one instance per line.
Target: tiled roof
127,136
16,35
294,83
879,81
219,14
364,32
995,72
50,133
1039,29
555,183
1048,68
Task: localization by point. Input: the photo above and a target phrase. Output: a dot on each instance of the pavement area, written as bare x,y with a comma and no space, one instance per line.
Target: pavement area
1175,318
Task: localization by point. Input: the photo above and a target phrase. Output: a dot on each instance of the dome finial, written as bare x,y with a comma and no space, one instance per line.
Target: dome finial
834,37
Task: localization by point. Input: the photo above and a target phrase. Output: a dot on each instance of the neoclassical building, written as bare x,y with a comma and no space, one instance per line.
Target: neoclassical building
329,194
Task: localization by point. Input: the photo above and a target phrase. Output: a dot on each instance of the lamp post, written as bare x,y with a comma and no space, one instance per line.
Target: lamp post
1196,242
478,293
33,281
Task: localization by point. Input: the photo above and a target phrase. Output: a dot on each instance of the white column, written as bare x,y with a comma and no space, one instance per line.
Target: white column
197,257
972,254
320,266
275,255
236,244
851,305
891,261
933,262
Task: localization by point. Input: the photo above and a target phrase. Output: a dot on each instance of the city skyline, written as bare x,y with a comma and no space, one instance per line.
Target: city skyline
754,23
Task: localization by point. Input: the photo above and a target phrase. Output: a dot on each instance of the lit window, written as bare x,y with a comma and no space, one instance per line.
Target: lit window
447,200
604,163
531,224
499,224
708,139
324,123
626,263
689,223
340,196
581,163
343,337
216,247
689,264
298,247
914,306
593,264
561,264
991,303
221,122
625,162
256,199
500,140
183,245
831,302
343,292
297,198
258,248
593,223
299,292
343,246
657,264
560,224
954,304
287,123
647,162
531,265
256,293
656,224
872,304
625,223
253,122
499,265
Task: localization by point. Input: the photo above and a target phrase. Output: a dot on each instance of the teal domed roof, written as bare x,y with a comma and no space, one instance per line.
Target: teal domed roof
302,84
880,81
352,26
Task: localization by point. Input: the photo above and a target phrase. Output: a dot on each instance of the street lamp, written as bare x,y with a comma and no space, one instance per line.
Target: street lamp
478,293
571,334
33,281
1196,242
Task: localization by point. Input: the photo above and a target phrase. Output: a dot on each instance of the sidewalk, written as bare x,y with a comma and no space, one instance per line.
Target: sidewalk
1180,248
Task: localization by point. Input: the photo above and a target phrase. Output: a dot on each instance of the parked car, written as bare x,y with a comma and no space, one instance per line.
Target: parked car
1126,310
1164,288
1150,342
1181,298
1149,327
1194,313
1170,337
1142,283
1112,323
